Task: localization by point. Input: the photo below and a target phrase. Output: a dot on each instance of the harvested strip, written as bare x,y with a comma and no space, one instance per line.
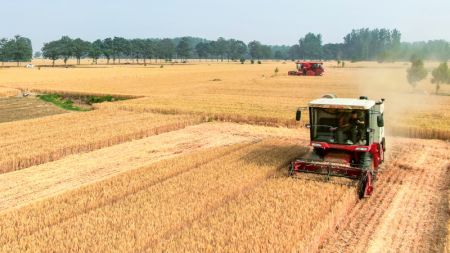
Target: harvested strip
32,142
408,211
136,221
27,185
282,215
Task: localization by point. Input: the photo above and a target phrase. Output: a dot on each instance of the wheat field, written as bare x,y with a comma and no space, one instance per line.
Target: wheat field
36,141
246,92
148,205
153,174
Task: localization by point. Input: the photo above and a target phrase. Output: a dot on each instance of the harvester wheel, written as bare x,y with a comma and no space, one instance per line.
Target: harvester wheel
310,73
366,163
362,186
290,170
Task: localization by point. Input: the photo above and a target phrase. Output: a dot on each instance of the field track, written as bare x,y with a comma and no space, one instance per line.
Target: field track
409,209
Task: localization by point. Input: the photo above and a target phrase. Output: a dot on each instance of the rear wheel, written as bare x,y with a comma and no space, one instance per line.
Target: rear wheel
290,170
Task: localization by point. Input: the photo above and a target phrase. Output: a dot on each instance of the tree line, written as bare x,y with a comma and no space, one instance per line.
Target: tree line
369,45
17,49
358,45
141,50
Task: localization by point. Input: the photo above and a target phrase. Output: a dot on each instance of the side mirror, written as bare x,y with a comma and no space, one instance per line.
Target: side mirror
380,121
298,115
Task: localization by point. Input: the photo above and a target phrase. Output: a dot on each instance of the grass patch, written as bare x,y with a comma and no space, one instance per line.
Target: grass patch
61,102
100,99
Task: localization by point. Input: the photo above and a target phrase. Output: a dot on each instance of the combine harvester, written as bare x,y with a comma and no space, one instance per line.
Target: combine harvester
307,69
347,139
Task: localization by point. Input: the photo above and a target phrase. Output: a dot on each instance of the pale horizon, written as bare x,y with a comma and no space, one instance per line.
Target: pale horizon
282,23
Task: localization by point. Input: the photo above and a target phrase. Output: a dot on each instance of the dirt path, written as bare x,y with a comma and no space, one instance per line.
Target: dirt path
408,211
36,182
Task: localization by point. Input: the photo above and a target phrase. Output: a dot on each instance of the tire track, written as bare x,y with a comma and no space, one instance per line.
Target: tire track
407,211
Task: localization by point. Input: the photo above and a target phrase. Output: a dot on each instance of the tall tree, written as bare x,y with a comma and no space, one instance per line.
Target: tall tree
65,48
165,49
184,49
107,49
95,50
416,72
18,49
236,49
120,48
137,47
80,49
255,49
52,51
440,75
294,52
3,55
221,47
148,50
202,49
311,46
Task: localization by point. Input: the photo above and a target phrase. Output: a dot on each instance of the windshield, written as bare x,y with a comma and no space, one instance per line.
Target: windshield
340,126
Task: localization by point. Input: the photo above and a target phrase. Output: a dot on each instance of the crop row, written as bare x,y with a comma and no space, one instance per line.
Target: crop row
32,142
136,210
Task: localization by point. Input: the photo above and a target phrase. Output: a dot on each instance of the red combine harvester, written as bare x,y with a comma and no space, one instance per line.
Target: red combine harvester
347,139
307,69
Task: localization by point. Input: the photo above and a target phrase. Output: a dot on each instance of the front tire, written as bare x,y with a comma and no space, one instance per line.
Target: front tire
365,185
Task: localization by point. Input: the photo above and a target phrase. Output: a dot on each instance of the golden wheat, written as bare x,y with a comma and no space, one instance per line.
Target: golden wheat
31,142
9,92
281,215
244,93
134,213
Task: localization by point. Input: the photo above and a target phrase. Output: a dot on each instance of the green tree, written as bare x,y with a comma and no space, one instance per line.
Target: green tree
165,49
202,49
221,47
65,48
120,48
51,50
416,72
184,49
3,55
440,75
37,54
107,49
137,47
255,49
95,50
311,46
148,50
236,49
80,48
294,52
18,49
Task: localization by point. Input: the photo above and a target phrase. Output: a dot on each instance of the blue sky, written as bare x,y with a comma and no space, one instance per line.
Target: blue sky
271,22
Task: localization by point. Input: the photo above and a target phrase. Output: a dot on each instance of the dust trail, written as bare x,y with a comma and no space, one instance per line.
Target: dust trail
404,103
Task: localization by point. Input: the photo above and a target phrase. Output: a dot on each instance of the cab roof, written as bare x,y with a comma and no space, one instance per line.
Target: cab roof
343,103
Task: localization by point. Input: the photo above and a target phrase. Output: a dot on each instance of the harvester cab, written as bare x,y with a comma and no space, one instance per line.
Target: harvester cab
305,68
347,139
